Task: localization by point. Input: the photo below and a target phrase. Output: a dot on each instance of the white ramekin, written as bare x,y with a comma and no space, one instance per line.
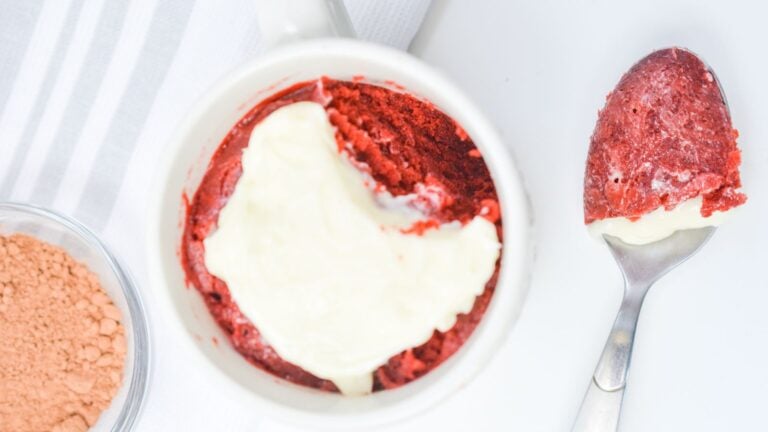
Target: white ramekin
187,158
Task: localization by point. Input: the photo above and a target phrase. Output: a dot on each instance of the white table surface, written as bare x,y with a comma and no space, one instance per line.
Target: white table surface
541,70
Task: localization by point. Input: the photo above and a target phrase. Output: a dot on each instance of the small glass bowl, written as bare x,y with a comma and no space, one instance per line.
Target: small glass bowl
85,247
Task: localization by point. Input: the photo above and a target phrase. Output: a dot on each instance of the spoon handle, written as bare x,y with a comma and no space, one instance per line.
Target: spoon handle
611,371
601,408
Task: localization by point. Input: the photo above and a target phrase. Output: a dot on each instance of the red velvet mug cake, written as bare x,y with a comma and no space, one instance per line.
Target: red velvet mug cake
663,156
323,237
345,236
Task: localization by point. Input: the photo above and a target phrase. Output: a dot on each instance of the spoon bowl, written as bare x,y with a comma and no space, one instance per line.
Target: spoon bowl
644,264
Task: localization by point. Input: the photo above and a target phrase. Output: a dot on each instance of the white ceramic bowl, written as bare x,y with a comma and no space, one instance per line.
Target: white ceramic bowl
188,156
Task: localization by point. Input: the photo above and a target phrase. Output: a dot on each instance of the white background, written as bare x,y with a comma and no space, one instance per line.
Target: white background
541,70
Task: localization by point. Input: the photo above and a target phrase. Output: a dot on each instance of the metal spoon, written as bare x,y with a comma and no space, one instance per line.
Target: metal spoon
641,265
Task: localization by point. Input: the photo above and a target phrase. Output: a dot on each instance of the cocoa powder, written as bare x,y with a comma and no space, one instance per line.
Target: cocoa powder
62,344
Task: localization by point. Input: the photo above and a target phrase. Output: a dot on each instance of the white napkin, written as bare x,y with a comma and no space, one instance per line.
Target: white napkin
90,92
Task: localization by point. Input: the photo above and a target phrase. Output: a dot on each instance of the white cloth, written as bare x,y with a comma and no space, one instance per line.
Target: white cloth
90,92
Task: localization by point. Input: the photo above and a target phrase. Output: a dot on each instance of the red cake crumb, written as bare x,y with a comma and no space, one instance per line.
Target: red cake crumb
663,137
406,145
